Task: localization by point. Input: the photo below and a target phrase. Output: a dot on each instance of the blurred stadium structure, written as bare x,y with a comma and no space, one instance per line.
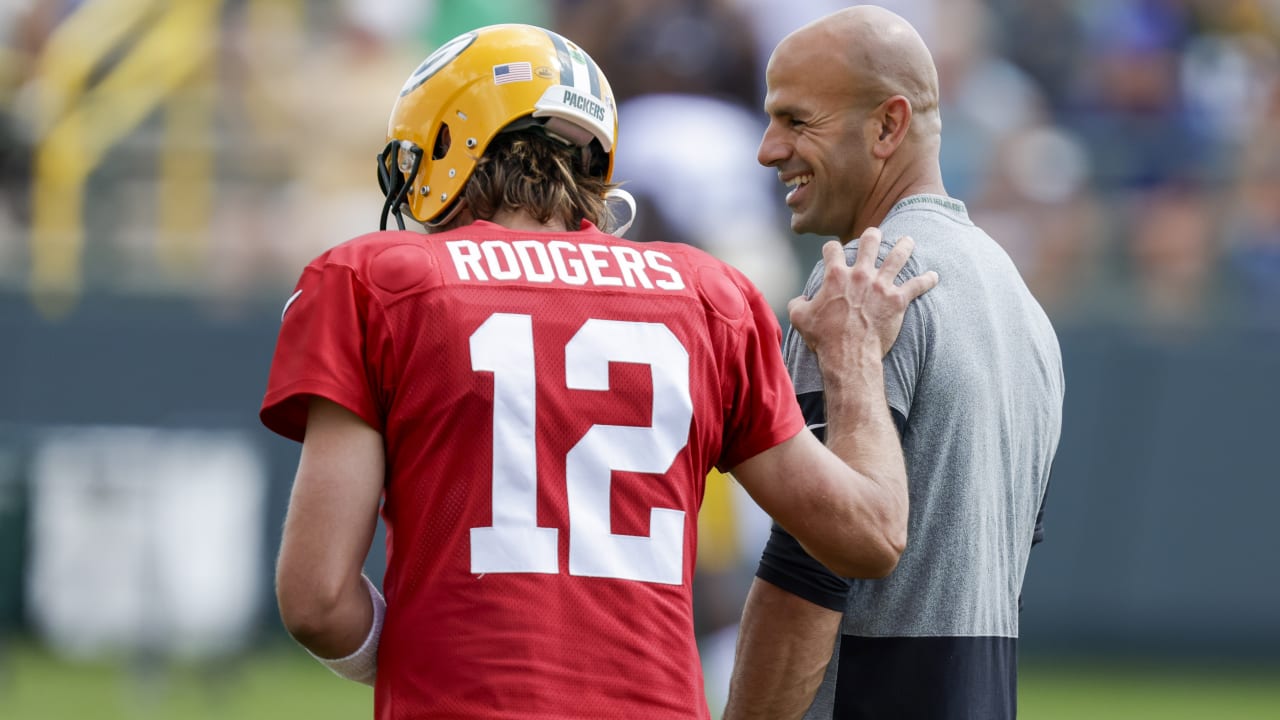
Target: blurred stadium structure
167,168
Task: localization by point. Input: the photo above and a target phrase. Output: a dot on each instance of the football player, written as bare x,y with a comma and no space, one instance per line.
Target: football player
534,405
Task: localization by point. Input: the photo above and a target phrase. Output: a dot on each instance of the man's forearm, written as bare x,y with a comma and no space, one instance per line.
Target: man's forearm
859,423
860,426
329,629
346,639
784,645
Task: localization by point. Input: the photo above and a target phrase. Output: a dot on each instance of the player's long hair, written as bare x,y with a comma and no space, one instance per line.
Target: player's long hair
528,170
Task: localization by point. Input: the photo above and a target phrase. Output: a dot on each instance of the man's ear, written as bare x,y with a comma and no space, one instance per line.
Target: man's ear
893,117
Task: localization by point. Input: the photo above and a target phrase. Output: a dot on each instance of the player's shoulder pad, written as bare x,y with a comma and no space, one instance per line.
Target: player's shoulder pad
720,287
392,262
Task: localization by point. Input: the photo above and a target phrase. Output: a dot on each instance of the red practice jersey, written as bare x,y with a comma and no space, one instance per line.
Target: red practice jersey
551,405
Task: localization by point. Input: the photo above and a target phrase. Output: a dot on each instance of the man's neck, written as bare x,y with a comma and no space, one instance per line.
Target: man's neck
510,219
923,180
524,222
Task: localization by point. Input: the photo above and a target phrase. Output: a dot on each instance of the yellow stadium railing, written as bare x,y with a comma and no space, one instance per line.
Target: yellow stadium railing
161,46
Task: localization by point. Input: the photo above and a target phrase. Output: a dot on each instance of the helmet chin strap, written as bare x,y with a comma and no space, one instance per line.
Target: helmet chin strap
620,224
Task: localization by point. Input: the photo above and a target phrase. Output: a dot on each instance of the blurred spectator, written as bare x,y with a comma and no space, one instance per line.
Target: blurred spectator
771,20
1173,251
1226,81
1045,39
1236,16
693,161
302,153
1037,201
1129,110
703,47
984,97
265,108
1253,220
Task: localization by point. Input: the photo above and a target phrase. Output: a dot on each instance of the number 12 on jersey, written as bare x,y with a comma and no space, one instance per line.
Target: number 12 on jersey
503,345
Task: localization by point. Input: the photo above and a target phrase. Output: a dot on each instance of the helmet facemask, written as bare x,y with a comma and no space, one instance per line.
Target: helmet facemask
398,161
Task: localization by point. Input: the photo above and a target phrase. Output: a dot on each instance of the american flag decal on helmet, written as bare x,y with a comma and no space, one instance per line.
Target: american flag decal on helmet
512,72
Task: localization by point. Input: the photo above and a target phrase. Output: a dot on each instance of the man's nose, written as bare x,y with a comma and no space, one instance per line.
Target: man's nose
772,150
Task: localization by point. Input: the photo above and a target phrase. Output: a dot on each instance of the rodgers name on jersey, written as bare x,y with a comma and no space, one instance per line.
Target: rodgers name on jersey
539,261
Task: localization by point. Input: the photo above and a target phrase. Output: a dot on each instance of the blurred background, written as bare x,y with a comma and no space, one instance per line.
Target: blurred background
168,167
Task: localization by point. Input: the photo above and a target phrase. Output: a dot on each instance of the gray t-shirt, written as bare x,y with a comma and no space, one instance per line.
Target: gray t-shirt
977,374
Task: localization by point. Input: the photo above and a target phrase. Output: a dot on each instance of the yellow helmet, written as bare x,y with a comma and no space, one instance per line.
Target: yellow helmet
472,88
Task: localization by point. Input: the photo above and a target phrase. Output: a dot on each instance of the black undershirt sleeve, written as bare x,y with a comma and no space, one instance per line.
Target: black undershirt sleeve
786,564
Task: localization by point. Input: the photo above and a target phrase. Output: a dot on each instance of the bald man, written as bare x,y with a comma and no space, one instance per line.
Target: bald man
974,381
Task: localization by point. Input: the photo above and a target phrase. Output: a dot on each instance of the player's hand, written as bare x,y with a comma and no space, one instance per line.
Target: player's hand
859,302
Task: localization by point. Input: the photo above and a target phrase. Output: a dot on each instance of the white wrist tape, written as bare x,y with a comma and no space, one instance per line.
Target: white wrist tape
362,665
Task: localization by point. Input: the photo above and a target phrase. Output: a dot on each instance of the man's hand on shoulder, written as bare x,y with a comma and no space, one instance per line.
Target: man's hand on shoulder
858,303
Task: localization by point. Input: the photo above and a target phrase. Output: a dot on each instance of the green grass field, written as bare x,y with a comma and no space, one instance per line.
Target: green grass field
281,682
1106,691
